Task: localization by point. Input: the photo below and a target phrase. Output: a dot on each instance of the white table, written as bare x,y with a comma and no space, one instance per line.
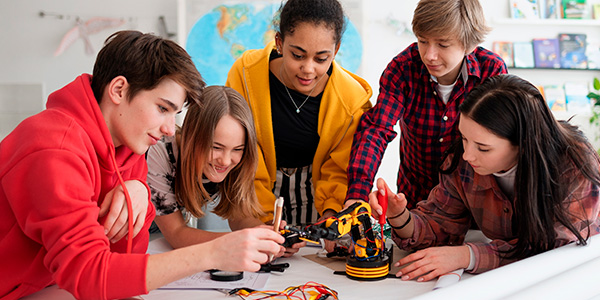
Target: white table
569,272
303,268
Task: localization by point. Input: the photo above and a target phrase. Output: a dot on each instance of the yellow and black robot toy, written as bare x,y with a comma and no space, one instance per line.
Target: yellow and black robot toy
368,258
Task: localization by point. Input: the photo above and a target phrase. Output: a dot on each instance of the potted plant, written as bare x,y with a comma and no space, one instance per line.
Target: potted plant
595,97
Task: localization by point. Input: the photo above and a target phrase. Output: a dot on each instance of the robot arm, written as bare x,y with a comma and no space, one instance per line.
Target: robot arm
369,259
355,219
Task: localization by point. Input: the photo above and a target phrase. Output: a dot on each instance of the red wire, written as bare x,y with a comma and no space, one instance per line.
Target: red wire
290,292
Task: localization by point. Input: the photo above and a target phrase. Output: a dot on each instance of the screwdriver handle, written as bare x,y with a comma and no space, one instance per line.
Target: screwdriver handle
383,202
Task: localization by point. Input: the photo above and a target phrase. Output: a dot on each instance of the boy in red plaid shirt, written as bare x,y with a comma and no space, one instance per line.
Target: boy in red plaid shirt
421,89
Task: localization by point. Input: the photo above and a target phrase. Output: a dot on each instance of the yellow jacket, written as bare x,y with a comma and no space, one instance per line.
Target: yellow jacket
345,99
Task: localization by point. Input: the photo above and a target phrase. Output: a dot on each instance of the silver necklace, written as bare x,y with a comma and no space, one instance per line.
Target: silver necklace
290,95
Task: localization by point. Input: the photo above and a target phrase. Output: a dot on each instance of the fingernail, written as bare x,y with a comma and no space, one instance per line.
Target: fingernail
405,277
397,265
105,231
399,274
380,212
382,192
420,279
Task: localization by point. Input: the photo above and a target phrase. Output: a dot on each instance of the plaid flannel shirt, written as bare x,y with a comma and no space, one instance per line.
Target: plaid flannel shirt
408,95
464,196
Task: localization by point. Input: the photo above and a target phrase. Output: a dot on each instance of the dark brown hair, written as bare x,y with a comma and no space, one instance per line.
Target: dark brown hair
144,60
549,152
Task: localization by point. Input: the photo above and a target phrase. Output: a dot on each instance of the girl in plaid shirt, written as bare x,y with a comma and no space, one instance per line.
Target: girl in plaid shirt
530,182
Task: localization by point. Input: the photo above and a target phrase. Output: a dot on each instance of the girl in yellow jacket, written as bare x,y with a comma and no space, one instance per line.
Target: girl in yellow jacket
306,109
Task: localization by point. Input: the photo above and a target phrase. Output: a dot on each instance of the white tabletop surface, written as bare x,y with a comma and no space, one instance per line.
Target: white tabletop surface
544,276
305,266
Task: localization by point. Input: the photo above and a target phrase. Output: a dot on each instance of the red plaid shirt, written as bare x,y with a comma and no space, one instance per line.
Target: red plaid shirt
464,196
407,95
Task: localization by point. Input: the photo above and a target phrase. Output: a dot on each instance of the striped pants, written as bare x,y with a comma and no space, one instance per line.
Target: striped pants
296,188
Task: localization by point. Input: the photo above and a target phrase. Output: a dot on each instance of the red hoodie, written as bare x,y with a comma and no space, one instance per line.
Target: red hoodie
55,169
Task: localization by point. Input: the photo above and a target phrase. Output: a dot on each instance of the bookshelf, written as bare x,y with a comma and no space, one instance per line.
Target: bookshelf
505,29
525,30
546,22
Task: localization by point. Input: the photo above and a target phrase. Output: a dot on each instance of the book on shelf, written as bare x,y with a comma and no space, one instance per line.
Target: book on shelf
574,9
540,88
572,50
505,51
549,9
546,53
576,96
555,97
524,9
592,52
523,55
596,11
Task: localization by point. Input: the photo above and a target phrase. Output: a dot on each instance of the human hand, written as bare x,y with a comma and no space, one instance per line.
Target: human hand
246,249
114,207
432,262
289,251
329,245
396,202
350,202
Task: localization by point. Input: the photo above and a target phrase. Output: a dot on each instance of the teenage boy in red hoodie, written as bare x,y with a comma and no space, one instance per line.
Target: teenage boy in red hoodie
59,167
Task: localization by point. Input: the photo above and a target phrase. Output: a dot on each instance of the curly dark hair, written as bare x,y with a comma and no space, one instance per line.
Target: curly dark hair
327,12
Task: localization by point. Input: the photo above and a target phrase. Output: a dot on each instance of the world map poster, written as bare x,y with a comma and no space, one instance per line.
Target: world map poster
218,32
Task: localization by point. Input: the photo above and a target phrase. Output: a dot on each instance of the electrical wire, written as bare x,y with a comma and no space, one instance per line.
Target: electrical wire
307,291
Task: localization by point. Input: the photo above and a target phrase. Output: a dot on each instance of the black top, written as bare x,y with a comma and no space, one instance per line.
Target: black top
296,136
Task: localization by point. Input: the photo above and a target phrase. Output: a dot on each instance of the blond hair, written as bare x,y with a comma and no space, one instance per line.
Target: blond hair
237,194
463,19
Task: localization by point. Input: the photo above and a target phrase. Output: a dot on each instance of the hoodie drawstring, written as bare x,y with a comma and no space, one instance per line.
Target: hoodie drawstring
127,199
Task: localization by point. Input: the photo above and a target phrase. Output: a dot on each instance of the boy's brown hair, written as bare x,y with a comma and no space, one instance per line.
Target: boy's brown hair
463,19
145,60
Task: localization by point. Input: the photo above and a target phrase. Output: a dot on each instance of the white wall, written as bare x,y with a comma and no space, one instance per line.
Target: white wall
29,42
